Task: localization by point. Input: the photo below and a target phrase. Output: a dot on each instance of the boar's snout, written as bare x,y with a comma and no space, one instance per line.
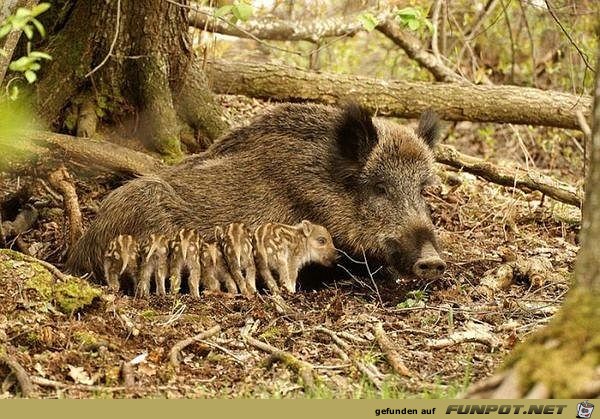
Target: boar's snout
429,265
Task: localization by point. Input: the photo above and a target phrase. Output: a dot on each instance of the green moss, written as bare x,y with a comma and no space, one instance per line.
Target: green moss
564,355
67,296
148,314
86,338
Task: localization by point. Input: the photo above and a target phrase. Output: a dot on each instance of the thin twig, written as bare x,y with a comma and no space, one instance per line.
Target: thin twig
579,51
435,19
180,345
113,43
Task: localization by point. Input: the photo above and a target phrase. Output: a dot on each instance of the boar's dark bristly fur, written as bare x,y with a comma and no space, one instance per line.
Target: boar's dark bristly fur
360,177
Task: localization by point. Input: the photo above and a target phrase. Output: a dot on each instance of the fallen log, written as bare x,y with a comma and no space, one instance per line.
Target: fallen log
452,101
514,178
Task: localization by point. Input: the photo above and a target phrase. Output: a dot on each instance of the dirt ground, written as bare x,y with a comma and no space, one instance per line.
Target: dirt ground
510,256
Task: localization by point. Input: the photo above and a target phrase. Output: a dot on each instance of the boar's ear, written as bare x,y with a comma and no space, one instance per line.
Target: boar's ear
356,134
306,227
429,127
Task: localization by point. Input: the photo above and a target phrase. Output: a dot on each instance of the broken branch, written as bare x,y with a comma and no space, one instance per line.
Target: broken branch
389,349
23,379
514,178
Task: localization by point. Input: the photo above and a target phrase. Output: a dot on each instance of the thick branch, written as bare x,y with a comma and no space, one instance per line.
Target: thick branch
315,31
415,50
518,178
276,29
503,104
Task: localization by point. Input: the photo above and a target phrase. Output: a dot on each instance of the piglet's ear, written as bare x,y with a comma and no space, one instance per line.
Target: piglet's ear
356,134
306,227
429,127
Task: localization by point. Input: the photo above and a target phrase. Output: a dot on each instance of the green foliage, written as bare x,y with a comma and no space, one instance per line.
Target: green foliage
15,120
416,298
413,18
239,10
25,20
368,21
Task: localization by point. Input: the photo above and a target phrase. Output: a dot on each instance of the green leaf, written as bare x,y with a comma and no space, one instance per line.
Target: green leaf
242,11
30,76
223,10
41,55
39,27
5,30
21,64
40,8
413,24
408,12
13,93
368,21
22,12
28,31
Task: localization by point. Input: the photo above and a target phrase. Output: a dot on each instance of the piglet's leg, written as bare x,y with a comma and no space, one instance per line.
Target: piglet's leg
284,275
209,281
194,281
175,278
265,273
161,277
229,283
112,277
142,286
251,278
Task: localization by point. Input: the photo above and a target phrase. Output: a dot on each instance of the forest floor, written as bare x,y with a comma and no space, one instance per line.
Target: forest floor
509,254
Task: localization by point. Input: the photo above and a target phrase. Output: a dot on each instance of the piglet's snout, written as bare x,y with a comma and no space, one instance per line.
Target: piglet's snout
429,265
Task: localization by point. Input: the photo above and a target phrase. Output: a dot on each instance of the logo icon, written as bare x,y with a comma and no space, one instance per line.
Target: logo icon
584,410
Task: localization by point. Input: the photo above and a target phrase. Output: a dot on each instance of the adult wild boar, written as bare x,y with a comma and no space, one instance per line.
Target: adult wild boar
360,177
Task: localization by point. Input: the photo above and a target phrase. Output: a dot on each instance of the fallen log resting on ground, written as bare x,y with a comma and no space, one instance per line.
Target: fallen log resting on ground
515,178
452,101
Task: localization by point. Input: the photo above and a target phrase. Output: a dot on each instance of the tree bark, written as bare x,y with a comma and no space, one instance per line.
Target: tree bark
11,40
563,359
133,57
455,102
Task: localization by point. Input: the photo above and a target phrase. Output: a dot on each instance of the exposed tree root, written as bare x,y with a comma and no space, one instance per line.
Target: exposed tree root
473,333
182,344
61,180
27,388
96,154
22,222
389,349
50,267
517,178
304,370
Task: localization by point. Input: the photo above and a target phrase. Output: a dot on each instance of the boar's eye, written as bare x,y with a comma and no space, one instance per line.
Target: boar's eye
321,240
380,188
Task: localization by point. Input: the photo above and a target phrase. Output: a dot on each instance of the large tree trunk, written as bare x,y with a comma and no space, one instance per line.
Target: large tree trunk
129,57
456,102
563,359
